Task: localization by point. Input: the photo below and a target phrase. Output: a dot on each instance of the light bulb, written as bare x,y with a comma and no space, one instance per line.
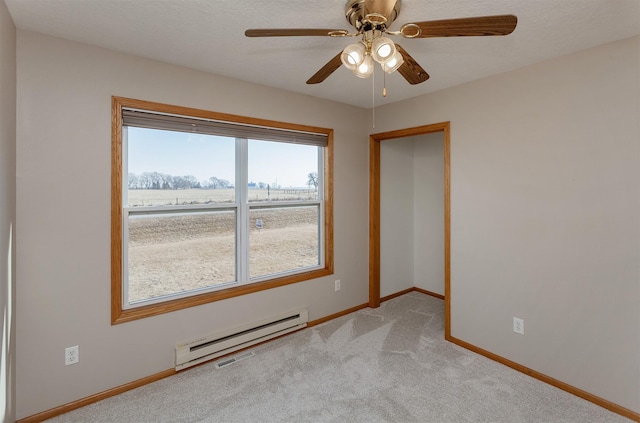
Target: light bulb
382,49
365,69
392,65
353,55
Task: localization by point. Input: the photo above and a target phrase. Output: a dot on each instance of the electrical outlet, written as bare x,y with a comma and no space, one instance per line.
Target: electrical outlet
71,355
337,284
518,326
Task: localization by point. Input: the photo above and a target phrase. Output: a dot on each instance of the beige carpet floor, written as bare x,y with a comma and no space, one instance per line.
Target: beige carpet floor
389,364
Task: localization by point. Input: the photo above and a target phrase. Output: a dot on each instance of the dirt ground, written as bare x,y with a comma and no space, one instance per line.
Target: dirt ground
173,254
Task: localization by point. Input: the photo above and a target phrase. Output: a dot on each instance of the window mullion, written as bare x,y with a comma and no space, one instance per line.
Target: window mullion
125,258
242,233
125,166
320,197
125,217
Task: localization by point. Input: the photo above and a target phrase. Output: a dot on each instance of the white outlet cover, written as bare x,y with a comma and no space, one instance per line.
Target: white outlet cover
71,355
518,326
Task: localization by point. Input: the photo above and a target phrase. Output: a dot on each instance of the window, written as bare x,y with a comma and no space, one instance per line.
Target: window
207,206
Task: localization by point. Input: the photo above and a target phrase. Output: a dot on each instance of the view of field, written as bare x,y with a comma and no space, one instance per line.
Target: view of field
160,197
173,253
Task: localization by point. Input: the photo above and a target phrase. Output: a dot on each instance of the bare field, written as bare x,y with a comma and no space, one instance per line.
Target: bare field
176,253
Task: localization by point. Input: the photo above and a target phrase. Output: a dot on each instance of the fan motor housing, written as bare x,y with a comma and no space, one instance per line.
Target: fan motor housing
362,19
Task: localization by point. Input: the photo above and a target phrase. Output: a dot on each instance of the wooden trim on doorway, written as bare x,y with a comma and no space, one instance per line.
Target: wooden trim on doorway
374,222
374,212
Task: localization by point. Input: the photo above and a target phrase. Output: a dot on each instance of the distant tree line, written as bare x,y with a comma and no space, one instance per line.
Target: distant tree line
215,183
157,180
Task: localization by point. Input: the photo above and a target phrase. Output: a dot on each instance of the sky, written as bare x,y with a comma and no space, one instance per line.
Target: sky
204,156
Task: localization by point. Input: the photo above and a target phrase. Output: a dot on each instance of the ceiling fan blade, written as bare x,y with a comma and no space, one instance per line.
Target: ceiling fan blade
294,32
410,69
326,70
463,27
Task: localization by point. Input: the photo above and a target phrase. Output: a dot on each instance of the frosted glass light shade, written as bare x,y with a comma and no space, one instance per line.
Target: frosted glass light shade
365,69
382,49
353,55
392,65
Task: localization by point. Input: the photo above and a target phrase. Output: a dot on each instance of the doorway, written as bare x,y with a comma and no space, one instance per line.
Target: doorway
375,141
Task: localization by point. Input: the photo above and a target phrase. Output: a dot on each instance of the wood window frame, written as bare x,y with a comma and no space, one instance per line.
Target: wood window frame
121,315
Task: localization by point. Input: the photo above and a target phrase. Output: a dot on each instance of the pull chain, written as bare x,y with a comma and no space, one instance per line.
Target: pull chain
373,97
384,84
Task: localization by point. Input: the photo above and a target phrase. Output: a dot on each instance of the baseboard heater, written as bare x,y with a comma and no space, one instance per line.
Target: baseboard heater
209,347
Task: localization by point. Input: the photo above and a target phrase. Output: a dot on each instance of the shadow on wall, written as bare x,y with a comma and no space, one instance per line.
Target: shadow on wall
7,338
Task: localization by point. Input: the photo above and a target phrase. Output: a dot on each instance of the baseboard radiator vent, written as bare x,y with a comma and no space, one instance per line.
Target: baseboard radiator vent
213,346
227,361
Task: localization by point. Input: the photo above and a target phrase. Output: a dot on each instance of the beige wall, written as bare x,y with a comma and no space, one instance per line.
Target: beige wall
545,183
396,215
7,212
63,203
428,212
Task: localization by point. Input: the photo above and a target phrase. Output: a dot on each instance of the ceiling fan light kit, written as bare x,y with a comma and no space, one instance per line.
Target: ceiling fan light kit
359,57
371,20
364,69
382,49
353,55
393,64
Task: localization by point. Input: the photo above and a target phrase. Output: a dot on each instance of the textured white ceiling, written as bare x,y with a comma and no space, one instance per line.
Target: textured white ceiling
208,35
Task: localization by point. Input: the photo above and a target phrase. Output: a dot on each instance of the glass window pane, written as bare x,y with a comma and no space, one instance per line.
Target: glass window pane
178,168
283,240
280,171
174,253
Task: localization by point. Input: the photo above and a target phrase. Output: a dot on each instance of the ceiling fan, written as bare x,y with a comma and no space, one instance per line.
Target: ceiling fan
371,20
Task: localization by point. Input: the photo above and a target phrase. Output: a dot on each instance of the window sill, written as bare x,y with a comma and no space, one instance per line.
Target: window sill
121,316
